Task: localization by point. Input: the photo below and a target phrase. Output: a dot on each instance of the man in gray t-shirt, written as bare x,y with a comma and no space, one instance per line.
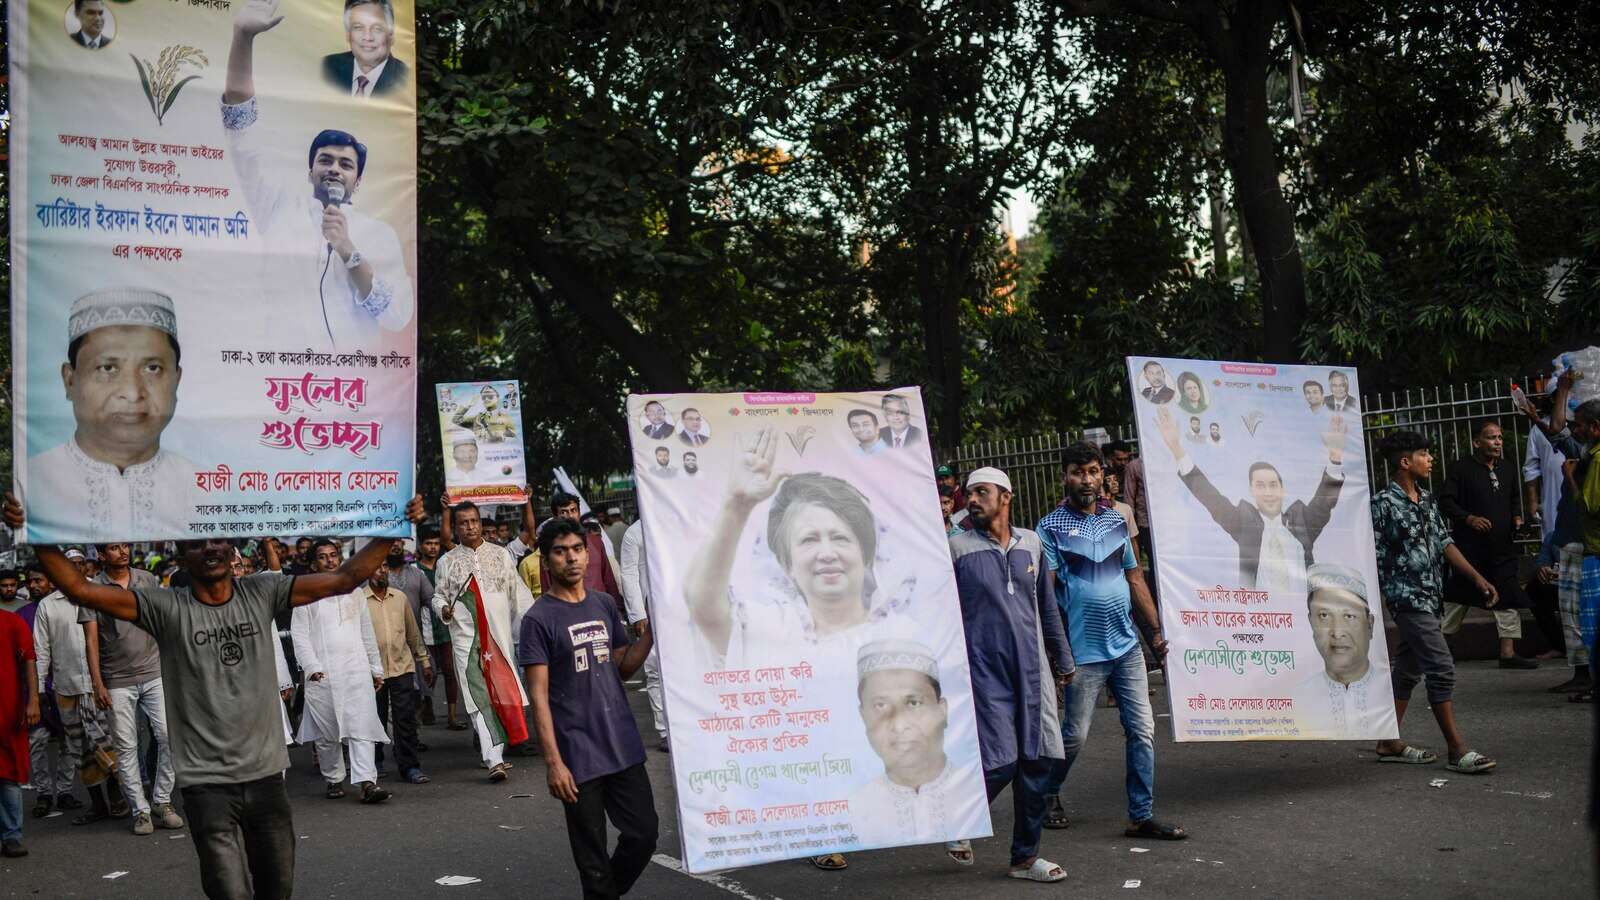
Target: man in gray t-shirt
215,636
125,668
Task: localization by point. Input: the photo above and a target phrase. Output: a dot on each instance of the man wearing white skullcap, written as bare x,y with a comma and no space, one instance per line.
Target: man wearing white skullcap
917,799
112,480
1347,698
466,470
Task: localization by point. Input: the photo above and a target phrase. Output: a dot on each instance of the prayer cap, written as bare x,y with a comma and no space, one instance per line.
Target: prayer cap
988,475
1332,575
459,436
895,654
121,306
614,511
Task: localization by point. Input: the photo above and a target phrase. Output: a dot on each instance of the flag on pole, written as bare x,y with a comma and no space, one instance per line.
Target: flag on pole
491,678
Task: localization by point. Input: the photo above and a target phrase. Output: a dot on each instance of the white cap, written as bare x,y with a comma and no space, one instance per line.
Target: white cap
895,654
988,475
614,511
121,306
74,554
459,436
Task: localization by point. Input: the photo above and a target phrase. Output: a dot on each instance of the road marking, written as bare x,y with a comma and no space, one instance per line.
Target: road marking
717,881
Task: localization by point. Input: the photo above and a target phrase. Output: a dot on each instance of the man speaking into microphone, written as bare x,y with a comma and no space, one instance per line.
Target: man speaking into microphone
318,248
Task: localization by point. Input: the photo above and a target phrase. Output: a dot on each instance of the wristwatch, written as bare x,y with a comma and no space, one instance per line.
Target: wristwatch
355,260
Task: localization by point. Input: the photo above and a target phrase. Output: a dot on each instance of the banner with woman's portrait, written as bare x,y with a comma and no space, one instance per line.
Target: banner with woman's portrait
213,239
805,609
1267,581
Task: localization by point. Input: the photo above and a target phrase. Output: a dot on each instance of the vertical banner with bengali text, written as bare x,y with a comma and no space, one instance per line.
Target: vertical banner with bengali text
1260,511
481,425
805,608
213,239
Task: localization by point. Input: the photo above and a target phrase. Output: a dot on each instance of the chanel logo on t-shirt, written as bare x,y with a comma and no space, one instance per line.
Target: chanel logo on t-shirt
227,639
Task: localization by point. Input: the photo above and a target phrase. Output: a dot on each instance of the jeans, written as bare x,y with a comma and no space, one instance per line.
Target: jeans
126,704
244,836
1131,686
624,797
10,811
1028,779
400,694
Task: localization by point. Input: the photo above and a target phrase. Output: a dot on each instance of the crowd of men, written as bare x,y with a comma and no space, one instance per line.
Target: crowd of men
99,681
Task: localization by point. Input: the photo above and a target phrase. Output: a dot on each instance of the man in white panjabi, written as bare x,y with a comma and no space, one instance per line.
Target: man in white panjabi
344,267
505,600
916,799
1357,697
112,480
338,651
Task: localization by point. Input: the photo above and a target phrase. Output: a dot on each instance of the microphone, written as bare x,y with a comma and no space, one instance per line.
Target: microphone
335,197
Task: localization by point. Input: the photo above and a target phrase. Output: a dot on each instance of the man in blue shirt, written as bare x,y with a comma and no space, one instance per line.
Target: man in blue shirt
1093,574
576,652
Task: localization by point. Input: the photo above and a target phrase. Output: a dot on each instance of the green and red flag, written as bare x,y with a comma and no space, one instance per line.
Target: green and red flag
491,678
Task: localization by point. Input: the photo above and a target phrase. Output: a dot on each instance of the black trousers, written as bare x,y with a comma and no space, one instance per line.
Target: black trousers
399,697
625,798
244,836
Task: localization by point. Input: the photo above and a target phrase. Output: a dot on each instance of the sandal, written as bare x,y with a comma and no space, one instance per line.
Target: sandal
1411,756
1150,828
1041,870
1055,815
830,862
1472,763
335,792
960,852
499,773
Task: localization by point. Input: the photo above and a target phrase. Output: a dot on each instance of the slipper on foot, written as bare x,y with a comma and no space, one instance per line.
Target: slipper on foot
1472,763
1042,870
1411,756
831,862
960,852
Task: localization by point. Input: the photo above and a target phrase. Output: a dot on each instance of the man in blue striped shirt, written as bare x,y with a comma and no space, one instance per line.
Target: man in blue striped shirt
1094,575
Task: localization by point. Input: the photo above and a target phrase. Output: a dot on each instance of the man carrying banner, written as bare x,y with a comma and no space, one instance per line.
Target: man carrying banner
575,654
1014,642
499,602
215,636
1092,574
338,650
347,262
1275,542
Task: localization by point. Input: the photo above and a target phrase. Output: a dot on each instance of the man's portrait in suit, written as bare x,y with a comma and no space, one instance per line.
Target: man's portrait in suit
1157,390
1275,541
368,68
657,424
899,432
90,25
1314,396
693,430
1339,399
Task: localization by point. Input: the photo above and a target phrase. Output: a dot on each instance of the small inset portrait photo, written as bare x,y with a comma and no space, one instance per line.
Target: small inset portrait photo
897,430
1156,389
691,464
1316,396
692,428
1216,434
657,424
864,431
663,467
1192,394
90,24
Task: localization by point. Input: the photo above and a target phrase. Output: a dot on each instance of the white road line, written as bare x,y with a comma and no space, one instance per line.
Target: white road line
717,881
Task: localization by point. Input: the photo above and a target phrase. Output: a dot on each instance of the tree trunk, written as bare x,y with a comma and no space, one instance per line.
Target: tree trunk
1247,144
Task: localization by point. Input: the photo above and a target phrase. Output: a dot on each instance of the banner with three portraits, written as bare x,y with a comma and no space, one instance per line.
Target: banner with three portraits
213,238
1259,502
804,606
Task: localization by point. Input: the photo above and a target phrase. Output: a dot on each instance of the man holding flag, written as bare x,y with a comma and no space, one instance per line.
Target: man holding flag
478,595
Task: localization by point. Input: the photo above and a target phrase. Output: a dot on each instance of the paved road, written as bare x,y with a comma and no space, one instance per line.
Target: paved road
1305,820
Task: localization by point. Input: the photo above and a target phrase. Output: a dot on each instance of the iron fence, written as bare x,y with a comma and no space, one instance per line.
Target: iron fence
1444,414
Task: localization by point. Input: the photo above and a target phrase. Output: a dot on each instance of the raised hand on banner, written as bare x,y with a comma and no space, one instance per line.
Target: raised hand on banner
1334,439
1168,426
257,16
755,477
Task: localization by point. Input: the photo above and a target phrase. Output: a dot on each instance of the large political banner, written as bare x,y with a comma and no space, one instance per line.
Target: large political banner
481,425
213,234
1268,586
805,609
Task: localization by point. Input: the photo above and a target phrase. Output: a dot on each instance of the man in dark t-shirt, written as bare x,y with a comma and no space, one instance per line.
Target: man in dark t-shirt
575,653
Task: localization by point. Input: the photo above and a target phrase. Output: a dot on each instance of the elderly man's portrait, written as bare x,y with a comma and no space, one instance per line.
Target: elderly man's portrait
368,68
1339,397
657,424
1343,627
1156,389
692,428
121,378
89,24
1192,394
898,430
466,467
